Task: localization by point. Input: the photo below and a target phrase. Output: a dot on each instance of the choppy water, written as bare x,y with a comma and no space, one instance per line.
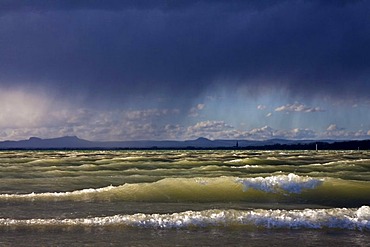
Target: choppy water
141,198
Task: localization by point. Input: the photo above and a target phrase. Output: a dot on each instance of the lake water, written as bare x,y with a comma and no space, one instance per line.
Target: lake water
185,198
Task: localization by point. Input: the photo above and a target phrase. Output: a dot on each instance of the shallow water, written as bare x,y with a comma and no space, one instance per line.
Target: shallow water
151,198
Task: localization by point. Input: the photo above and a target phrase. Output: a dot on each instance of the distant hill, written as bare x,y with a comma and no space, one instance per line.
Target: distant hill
38,143
73,142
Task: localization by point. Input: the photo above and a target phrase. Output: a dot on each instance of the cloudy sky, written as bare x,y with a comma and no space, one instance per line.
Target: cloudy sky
232,69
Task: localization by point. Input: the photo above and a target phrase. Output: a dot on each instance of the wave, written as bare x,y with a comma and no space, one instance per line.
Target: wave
289,183
199,187
289,188
258,161
335,218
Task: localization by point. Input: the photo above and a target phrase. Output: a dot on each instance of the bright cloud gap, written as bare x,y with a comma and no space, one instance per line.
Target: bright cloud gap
145,125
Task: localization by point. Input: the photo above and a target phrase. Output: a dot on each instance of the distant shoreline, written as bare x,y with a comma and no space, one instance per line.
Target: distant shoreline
75,143
291,147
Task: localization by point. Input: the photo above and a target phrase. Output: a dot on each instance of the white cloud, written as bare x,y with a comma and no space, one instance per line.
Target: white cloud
221,130
149,113
296,134
335,132
194,111
173,131
213,130
263,133
25,114
200,106
210,126
344,134
261,107
332,127
267,132
297,107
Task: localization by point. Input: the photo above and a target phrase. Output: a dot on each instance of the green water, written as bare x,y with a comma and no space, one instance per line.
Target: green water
151,198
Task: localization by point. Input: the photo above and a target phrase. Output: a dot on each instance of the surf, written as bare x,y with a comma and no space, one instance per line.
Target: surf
335,218
288,188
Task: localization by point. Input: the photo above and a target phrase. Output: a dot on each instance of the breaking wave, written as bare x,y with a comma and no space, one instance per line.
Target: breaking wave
335,218
184,188
288,183
278,188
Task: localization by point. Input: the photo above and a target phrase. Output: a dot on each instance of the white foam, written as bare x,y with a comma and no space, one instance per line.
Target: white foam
290,183
56,195
246,166
336,218
235,161
363,213
312,218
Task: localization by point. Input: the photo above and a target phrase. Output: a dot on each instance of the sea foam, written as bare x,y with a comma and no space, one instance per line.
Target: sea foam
335,218
290,183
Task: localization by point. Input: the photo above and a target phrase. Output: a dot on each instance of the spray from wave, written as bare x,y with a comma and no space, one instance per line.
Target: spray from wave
289,183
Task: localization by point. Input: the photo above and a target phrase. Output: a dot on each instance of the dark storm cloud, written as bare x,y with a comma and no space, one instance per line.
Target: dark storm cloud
41,5
126,49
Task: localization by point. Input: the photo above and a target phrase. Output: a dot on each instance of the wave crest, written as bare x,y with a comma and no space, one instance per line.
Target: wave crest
289,183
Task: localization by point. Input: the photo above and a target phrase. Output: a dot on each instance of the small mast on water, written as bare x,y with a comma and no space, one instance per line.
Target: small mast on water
316,147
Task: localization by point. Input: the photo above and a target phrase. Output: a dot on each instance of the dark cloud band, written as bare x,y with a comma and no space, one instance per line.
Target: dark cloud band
118,50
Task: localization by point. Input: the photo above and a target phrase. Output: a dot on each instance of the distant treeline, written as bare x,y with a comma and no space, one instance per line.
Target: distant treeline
340,145
344,145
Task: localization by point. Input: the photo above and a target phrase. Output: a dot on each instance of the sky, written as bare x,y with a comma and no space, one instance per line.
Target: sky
115,70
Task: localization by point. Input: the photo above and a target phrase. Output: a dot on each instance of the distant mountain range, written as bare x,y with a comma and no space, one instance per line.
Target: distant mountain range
73,142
